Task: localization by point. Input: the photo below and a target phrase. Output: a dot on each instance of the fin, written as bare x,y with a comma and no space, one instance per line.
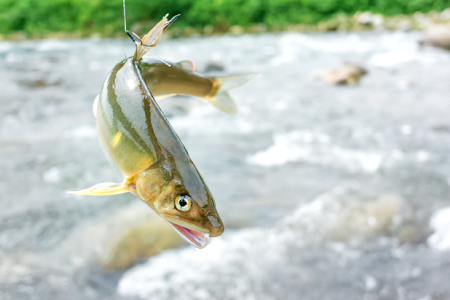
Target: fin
103,189
162,97
187,65
222,99
94,106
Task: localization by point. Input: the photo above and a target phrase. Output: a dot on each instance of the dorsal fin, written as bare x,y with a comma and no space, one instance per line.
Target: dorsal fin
186,65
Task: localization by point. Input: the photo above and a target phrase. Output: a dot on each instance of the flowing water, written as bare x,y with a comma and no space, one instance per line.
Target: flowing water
327,192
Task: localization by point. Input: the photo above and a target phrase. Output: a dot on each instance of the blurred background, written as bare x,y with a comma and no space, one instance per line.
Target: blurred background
333,180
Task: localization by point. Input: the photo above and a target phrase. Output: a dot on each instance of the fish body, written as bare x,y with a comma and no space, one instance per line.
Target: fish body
139,141
176,78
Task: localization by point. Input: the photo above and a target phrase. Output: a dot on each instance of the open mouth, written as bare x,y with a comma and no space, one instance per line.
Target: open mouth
196,238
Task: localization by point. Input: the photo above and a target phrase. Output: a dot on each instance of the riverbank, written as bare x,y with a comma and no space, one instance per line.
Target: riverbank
360,21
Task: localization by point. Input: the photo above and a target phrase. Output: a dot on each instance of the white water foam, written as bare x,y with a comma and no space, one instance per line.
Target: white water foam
315,148
440,223
188,273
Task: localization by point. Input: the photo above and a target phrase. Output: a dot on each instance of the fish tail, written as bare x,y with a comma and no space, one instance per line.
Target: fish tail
222,99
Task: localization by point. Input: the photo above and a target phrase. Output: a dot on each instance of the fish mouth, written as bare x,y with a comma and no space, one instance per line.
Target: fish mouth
196,238
193,234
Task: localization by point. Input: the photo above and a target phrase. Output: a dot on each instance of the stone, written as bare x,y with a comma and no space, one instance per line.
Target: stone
437,36
214,66
119,240
347,74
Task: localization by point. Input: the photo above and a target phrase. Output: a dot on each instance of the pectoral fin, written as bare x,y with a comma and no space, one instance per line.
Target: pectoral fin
103,189
187,65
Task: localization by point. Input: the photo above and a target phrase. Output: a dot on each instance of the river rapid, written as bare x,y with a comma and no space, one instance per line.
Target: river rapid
326,192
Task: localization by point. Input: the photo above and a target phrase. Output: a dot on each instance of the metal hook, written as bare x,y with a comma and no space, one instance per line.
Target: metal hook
135,38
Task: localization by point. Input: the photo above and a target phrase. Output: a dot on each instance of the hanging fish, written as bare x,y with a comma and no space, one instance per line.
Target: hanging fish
139,141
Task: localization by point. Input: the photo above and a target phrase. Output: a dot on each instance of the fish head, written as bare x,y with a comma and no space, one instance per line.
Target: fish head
191,212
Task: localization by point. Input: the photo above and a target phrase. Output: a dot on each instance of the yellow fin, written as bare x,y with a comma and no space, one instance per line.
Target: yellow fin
187,65
103,189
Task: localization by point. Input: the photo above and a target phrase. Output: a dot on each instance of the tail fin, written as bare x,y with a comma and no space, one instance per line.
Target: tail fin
222,99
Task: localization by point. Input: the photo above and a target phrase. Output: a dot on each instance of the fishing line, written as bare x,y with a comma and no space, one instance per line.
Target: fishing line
160,59
140,42
124,17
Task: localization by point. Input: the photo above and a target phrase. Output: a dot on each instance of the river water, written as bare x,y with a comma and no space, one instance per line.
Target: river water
327,192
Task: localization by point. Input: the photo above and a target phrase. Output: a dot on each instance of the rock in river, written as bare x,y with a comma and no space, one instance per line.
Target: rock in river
119,240
437,36
345,74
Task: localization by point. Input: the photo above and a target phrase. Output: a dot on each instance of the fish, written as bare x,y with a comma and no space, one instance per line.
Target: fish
139,141
167,79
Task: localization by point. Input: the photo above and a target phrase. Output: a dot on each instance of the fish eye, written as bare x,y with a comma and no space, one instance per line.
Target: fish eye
183,203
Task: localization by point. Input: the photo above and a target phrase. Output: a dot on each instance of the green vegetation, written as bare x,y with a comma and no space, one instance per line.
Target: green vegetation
38,17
